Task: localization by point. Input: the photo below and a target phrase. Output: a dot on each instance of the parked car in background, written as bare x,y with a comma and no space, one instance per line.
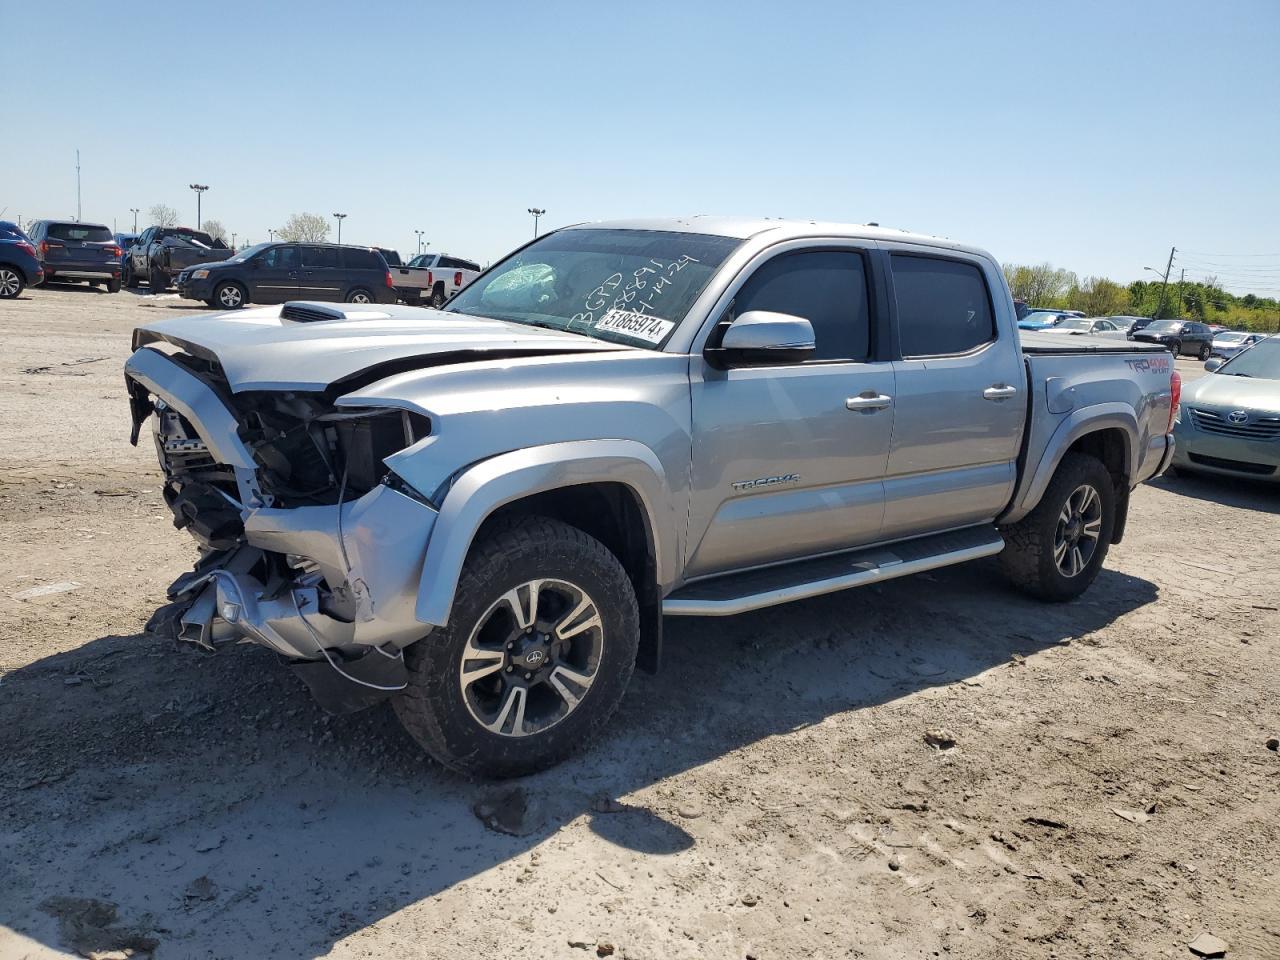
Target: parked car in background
391,256
1088,326
1217,328
1229,423
19,266
75,252
1042,319
276,272
125,242
486,511
11,231
1227,345
1179,336
1127,323
433,277
1020,308
161,253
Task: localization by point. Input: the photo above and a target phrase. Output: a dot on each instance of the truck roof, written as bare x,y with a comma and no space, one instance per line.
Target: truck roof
745,228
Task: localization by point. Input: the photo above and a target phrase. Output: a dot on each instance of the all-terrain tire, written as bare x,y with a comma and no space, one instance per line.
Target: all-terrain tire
159,281
130,278
432,708
1028,557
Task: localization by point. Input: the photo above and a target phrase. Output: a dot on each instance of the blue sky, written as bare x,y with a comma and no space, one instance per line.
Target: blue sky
1092,135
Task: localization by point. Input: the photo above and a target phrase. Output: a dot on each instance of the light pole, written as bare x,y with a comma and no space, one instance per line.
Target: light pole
271,235
233,242
134,211
339,217
419,233
537,212
199,188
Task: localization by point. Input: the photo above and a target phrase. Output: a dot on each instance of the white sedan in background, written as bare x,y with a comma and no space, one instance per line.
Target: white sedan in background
1089,326
1228,343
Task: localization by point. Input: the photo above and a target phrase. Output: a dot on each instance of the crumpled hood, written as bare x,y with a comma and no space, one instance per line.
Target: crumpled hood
1243,393
261,350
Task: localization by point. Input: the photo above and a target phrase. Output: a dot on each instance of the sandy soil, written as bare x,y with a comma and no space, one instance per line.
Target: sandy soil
769,795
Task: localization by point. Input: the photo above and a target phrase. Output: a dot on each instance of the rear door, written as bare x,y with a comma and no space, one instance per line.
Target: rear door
322,276
960,404
788,461
273,275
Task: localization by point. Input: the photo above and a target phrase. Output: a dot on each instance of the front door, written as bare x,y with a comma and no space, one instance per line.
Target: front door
960,401
274,276
788,461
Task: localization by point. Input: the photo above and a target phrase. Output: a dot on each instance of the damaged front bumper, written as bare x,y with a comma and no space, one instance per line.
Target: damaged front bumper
332,588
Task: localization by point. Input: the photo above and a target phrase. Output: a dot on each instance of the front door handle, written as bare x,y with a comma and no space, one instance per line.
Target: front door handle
868,402
999,392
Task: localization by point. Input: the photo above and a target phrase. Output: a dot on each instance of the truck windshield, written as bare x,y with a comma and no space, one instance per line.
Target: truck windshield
625,286
1262,360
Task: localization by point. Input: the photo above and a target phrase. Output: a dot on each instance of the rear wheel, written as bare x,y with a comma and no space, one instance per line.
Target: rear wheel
113,286
1056,550
228,296
1175,347
437,296
11,283
540,645
359,295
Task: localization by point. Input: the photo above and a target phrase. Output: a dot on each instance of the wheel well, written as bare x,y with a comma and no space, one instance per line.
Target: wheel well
1111,446
613,514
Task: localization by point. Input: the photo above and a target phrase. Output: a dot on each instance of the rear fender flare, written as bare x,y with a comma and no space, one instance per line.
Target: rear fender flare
1080,423
491,484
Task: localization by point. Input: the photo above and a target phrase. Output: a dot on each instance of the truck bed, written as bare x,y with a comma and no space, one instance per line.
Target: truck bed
1060,344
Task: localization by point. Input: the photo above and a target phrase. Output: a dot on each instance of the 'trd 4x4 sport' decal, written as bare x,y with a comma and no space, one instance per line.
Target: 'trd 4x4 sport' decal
1150,364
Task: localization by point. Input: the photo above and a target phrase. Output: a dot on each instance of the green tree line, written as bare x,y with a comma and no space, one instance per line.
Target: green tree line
1043,285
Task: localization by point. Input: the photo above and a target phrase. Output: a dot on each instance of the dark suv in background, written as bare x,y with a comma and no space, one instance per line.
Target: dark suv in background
19,266
1180,336
77,251
276,272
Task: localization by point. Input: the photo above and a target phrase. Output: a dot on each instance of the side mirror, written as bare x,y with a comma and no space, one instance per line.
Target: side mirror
1212,364
759,338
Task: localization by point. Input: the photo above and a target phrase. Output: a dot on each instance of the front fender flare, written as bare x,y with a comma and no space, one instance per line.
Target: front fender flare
1080,423
497,481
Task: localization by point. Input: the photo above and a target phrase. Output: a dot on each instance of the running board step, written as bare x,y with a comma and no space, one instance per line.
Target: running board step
742,592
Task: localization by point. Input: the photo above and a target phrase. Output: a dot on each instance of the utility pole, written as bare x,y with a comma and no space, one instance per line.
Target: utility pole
134,211
199,188
537,212
1180,281
339,217
77,186
1165,281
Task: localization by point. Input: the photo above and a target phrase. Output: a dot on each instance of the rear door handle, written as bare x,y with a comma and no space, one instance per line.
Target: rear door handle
999,392
868,402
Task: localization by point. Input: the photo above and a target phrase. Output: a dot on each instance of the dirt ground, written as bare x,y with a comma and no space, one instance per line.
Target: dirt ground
769,795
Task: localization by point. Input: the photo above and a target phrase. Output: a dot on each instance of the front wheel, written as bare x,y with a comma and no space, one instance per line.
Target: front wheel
1205,350
540,645
11,283
130,278
1056,550
158,281
229,296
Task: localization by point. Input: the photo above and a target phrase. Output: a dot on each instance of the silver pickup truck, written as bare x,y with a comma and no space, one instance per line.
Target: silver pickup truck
485,512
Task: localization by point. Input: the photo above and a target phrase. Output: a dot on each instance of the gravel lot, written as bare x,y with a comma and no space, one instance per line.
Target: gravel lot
770,794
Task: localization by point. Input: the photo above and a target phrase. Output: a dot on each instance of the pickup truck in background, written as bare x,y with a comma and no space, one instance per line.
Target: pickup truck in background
432,277
161,253
485,513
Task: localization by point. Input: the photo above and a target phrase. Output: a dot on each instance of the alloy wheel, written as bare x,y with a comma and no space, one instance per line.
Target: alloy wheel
1075,540
9,283
360,297
230,296
531,658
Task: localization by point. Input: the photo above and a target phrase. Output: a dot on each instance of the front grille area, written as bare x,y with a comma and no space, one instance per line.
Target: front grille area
1240,466
1257,427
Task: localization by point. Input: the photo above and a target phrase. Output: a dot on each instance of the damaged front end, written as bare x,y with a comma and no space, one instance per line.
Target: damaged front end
309,544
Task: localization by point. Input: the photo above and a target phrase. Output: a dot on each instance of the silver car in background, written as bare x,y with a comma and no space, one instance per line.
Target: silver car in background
1228,343
1090,326
1229,421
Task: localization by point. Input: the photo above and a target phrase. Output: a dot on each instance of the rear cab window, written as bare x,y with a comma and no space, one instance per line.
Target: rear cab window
944,306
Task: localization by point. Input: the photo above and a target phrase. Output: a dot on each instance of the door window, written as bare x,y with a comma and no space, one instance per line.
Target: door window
320,257
943,306
826,287
281,258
